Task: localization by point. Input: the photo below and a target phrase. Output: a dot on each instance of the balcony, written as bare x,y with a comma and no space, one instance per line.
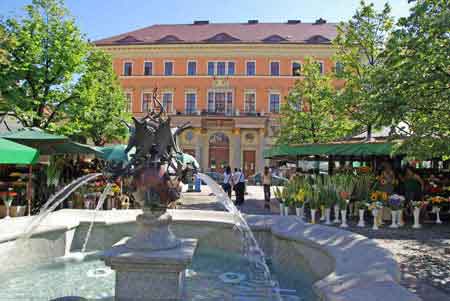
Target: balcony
234,113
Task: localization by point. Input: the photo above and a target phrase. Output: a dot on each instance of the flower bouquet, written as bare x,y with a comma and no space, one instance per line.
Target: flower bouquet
417,206
362,192
375,207
314,202
395,203
438,202
345,185
278,192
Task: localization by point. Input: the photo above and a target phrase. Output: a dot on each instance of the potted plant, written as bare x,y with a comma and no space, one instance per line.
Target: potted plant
278,192
299,202
314,203
345,185
395,203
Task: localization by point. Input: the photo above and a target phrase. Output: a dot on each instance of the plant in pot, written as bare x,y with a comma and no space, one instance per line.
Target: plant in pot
375,206
395,203
345,184
329,199
299,202
278,192
314,202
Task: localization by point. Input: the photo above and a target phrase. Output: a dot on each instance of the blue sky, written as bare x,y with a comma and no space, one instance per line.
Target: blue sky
103,18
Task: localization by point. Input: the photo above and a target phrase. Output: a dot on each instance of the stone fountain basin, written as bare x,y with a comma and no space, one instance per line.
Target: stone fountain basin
347,266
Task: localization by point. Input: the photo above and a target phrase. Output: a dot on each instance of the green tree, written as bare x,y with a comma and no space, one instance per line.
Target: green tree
413,87
359,46
102,106
309,114
46,53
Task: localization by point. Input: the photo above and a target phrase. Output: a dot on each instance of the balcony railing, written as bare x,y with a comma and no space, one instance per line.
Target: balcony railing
225,114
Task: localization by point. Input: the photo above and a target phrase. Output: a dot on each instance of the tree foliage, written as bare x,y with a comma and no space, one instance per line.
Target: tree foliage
309,114
359,45
52,79
46,53
98,116
413,85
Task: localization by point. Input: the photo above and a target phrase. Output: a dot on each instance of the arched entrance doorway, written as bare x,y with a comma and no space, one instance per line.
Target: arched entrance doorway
219,152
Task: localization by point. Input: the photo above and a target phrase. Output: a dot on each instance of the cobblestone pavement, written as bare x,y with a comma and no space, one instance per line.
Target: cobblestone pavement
423,254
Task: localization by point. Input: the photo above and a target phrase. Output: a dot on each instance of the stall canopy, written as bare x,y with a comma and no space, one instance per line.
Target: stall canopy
359,149
15,153
48,144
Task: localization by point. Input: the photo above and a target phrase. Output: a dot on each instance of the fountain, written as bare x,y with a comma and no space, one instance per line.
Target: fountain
151,265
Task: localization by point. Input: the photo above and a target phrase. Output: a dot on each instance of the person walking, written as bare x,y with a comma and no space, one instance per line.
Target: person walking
239,186
267,182
227,181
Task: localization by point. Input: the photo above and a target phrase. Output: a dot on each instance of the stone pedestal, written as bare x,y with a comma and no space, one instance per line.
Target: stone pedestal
150,266
150,275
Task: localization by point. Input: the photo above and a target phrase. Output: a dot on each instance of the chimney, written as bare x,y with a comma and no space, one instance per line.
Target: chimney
293,21
201,22
252,21
320,21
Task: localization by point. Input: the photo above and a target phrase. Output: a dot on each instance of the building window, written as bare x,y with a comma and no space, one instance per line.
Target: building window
211,68
221,68
191,106
251,68
192,68
220,102
321,67
296,69
230,68
128,69
250,102
128,101
148,68
167,101
146,100
339,68
274,102
274,68
168,68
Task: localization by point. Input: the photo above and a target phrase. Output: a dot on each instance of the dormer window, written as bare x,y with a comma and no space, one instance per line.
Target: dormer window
222,37
274,39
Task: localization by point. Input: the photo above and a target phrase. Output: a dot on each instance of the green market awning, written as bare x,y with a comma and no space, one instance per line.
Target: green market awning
48,144
15,153
359,149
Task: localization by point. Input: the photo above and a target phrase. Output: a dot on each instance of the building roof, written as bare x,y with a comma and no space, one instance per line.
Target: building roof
226,33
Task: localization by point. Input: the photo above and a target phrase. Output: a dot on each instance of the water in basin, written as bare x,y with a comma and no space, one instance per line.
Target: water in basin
92,280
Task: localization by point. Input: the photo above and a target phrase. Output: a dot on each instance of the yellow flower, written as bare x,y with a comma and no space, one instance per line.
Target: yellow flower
374,196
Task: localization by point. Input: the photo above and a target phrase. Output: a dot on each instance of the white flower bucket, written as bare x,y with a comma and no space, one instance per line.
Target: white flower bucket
336,214
344,219
394,216
375,222
286,210
281,209
313,216
400,221
361,222
437,210
416,214
327,216
322,213
298,211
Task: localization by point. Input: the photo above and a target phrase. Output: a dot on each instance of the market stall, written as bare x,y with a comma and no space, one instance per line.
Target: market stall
16,163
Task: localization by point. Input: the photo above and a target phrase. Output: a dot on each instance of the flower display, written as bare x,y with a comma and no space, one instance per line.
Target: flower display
395,202
438,201
419,204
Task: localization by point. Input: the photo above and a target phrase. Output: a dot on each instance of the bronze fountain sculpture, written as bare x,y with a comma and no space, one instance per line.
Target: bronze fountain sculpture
150,265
